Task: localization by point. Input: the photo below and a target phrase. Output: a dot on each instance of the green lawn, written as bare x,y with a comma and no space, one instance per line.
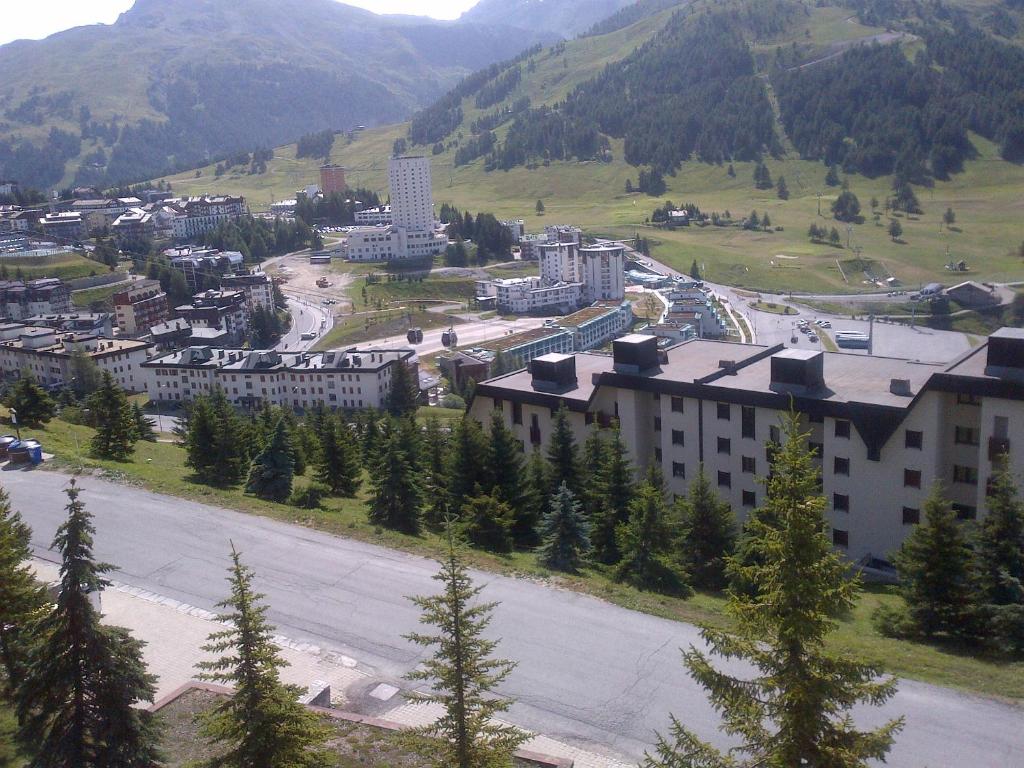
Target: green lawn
66,266
391,324
85,298
160,467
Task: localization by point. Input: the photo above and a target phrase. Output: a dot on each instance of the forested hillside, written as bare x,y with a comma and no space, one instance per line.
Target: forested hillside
172,85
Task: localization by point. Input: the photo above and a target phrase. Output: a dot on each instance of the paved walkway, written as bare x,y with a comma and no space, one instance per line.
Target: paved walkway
175,632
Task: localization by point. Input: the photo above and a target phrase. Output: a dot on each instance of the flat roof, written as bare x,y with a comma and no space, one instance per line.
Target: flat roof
505,343
587,314
587,365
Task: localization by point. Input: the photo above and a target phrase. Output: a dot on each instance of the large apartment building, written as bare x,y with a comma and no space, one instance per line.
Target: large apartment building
884,430
346,379
140,306
47,354
46,296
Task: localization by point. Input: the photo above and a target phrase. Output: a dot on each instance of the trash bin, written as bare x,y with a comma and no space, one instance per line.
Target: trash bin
34,449
5,444
17,453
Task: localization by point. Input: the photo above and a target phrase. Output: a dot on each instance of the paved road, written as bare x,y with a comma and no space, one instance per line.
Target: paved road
588,672
306,317
469,334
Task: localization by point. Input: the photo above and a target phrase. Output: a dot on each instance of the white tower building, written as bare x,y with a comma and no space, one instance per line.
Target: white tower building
604,272
412,201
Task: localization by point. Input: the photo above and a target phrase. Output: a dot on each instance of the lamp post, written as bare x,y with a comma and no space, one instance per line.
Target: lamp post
14,421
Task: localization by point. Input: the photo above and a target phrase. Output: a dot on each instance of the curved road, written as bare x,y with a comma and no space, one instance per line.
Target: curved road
589,672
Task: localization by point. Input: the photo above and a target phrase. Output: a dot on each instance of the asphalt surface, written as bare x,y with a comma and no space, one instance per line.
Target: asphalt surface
589,672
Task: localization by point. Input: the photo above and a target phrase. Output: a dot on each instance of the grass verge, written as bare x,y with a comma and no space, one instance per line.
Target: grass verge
160,467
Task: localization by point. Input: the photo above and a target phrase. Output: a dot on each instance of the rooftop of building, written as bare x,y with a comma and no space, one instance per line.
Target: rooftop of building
505,343
588,314
355,360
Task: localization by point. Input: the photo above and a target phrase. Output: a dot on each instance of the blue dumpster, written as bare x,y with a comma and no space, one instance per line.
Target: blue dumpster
35,450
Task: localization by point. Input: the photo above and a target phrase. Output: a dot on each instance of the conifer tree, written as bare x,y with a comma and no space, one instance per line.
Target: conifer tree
936,574
337,461
614,481
143,426
370,438
463,676
1000,561
404,392
22,598
795,708
273,469
564,533
435,475
200,439
645,543
396,496
781,189
505,463
77,700
466,471
115,421
534,505
707,533
33,404
594,449
563,454
487,523
262,723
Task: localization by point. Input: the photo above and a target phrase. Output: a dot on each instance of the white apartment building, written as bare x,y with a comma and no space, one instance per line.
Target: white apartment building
412,196
377,243
346,379
884,430
47,353
371,217
521,295
257,286
603,270
199,215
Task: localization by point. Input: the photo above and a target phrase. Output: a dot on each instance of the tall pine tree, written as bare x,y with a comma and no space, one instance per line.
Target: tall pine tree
273,470
564,533
262,723
794,709
435,473
22,598
116,430
615,486
396,496
645,542
1000,559
463,676
707,533
466,472
563,455
77,699
337,457
505,463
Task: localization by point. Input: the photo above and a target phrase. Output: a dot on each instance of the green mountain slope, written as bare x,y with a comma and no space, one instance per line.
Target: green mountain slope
174,83
983,191
566,18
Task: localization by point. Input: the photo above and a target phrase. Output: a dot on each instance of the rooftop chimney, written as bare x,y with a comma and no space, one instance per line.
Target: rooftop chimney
554,372
797,370
635,353
1006,354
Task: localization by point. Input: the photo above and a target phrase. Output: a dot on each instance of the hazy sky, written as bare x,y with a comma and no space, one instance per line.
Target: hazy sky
44,17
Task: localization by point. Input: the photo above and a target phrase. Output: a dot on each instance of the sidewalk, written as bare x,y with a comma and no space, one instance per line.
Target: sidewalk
175,632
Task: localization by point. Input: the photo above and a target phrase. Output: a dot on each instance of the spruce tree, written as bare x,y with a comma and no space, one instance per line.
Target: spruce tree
487,523
466,471
396,496
115,421
232,444
143,426
505,463
614,481
707,533
32,403
337,460
22,598
200,440
273,469
77,700
795,708
594,450
404,392
262,723
370,438
563,454
534,504
564,533
645,543
435,474
936,575
463,676
1000,561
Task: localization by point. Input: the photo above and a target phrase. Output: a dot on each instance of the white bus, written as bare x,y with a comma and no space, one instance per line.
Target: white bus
852,340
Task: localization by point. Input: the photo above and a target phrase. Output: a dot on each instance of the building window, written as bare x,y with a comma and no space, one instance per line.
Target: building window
749,499
841,466
911,478
963,398
678,469
913,439
749,464
657,423
840,538
965,475
774,435
677,405
840,502
748,421
842,428
499,405
815,419
724,480
965,436
965,511
656,397
724,412
657,455
517,413
816,448
678,437
724,445
911,516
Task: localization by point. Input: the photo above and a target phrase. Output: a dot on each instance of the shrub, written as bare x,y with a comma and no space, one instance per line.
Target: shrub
310,497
